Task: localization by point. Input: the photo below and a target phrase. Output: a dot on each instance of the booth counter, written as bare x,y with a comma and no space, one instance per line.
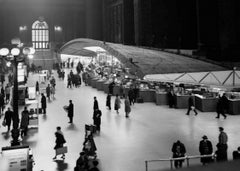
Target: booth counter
206,104
94,82
99,84
161,98
105,87
181,101
234,106
148,95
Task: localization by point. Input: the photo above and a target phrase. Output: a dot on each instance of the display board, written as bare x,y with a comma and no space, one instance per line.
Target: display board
17,158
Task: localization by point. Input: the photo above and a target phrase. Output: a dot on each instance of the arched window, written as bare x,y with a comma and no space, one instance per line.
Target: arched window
40,35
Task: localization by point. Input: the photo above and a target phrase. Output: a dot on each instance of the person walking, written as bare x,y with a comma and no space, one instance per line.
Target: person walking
191,105
24,122
110,87
37,87
43,103
108,101
97,119
178,150
127,106
95,103
2,104
69,82
222,145
7,91
131,96
59,142
117,104
53,91
8,118
221,107
48,91
205,148
70,110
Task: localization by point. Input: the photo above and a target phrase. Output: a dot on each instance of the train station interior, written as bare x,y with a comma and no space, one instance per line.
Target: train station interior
159,54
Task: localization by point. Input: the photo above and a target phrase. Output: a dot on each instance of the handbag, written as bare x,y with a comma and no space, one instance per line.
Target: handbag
4,123
61,150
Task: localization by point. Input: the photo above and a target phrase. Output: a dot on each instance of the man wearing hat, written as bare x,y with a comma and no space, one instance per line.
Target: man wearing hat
222,145
205,148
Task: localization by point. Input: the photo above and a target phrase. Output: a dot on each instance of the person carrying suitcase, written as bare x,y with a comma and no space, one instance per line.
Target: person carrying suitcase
60,140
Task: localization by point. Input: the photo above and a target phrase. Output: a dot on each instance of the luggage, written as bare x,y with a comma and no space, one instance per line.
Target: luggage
61,150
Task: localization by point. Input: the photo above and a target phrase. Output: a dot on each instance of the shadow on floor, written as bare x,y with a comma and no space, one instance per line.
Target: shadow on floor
61,165
72,127
6,135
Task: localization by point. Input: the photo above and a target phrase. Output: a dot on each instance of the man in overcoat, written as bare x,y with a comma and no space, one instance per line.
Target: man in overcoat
70,111
205,148
44,103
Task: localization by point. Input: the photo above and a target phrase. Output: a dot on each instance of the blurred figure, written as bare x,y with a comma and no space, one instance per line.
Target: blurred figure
191,105
43,103
117,104
8,118
70,110
236,154
178,150
82,162
97,119
205,148
60,140
95,103
95,164
221,107
222,145
127,106
24,122
108,101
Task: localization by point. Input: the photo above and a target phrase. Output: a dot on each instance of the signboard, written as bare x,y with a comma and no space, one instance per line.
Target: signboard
17,159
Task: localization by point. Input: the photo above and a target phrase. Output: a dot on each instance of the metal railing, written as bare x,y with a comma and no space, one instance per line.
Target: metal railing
187,158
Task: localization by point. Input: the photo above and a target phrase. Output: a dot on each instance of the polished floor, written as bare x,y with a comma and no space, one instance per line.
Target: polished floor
124,143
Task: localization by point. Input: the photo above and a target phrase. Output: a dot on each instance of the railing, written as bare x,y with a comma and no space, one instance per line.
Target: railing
171,160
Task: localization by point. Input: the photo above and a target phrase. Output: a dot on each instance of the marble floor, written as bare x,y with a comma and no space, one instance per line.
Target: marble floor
124,143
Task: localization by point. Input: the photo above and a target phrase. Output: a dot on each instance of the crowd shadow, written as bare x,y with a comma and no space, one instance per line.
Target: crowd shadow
72,127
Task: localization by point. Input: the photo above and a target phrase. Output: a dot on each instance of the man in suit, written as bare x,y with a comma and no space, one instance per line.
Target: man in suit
95,104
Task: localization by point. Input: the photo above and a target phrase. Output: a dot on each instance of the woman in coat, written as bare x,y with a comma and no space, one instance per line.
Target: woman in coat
117,104
127,106
97,118
24,122
60,140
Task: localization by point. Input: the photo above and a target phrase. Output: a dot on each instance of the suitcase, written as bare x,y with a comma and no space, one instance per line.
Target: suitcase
61,150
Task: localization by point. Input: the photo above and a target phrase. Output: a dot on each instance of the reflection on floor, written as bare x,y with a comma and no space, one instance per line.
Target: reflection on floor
123,144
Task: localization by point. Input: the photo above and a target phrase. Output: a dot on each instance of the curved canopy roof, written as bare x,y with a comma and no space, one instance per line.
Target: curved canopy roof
140,60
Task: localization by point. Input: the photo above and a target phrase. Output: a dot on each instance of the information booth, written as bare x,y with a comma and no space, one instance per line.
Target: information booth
17,158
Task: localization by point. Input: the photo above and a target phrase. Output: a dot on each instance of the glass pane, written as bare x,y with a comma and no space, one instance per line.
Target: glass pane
44,46
37,34
36,45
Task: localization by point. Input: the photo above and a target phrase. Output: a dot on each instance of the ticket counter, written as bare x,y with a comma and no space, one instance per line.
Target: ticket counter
234,107
148,95
161,98
206,104
181,101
